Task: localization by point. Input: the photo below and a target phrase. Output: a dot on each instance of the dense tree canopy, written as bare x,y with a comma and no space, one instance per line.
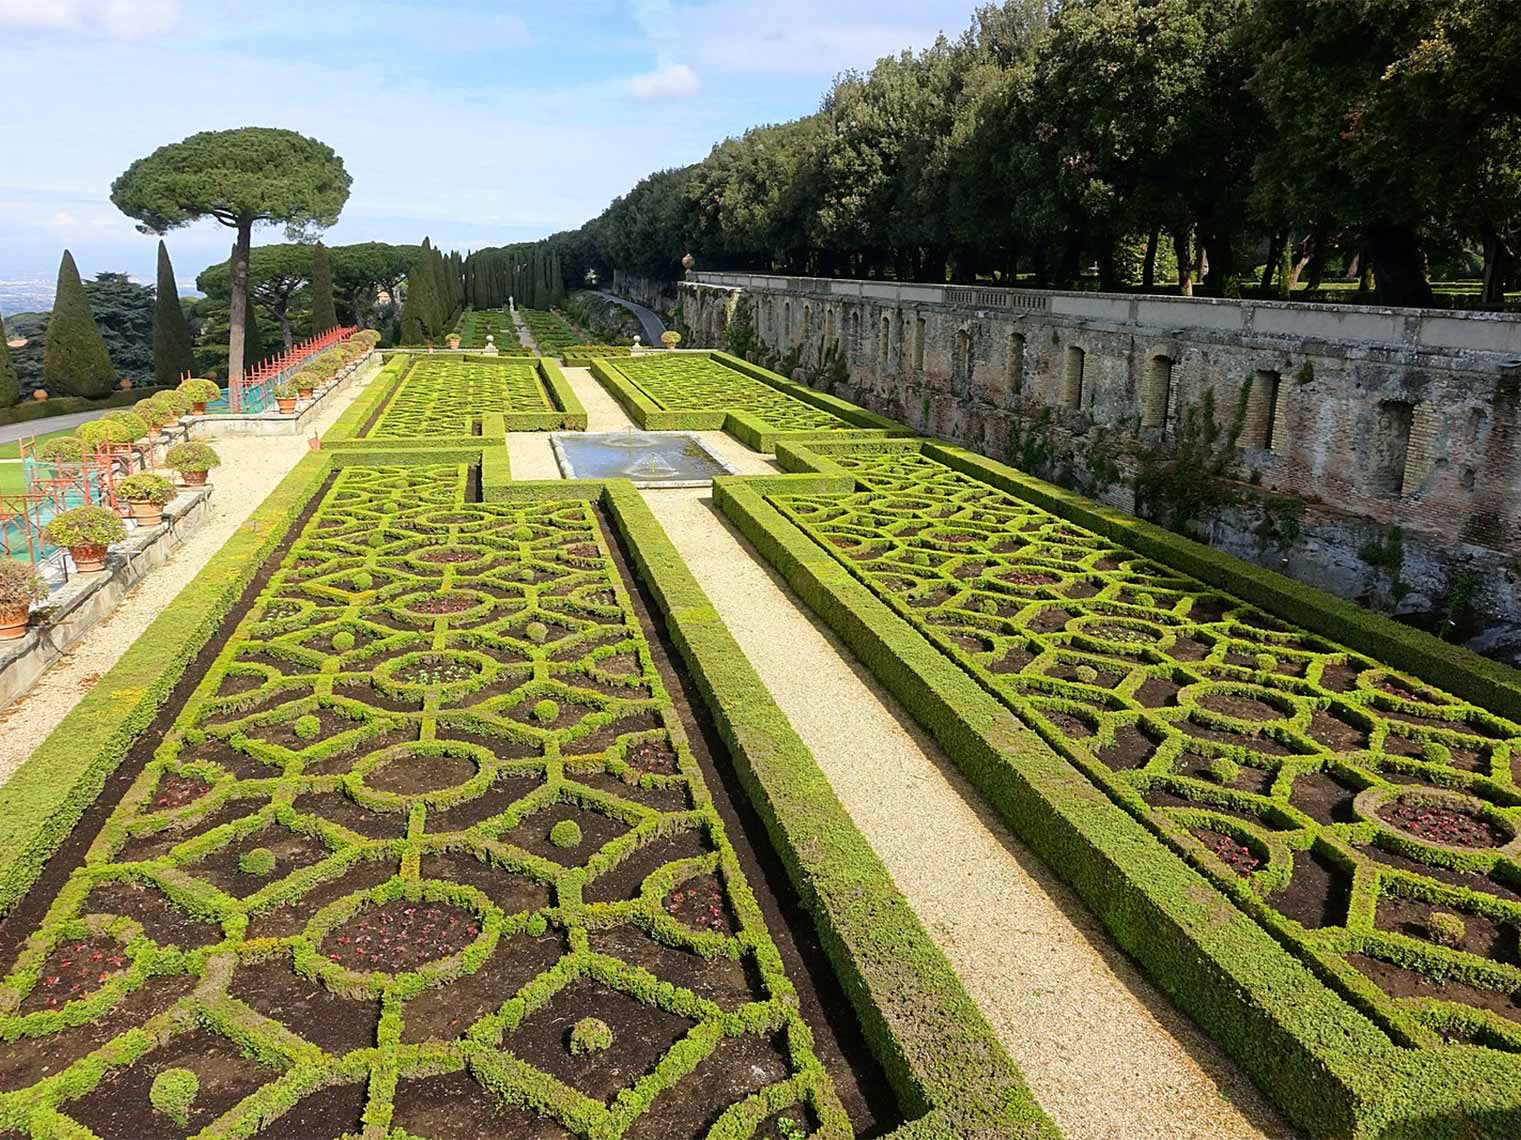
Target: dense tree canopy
324,316
10,384
242,178
1146,141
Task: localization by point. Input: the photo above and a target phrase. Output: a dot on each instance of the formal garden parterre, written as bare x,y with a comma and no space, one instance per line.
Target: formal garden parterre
431,799
475,325
1358,815
431,398
697,391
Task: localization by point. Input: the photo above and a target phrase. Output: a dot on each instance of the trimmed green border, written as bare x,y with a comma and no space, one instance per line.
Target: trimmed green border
756,434
1326,1066
569,416
943,1059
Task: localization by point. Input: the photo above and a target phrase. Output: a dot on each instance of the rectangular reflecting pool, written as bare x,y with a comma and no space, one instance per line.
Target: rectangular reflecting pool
649,458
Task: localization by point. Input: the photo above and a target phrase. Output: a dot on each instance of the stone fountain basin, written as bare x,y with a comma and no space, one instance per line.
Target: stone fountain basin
648,458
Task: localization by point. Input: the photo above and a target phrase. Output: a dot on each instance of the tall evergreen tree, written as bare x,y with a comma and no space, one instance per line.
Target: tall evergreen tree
417,313
172,356
75,361
10,383
324,314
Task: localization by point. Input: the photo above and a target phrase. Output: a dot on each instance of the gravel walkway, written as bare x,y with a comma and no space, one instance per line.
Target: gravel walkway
251,467
1106,1053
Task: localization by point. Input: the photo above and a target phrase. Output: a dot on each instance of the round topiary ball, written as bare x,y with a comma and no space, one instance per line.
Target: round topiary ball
537,632
1266,662
257,861
566,833
590,1035
1087,674
307,727
526,574
545,711
363,580
523,533
343,641
1224,771
1446,929
173,1092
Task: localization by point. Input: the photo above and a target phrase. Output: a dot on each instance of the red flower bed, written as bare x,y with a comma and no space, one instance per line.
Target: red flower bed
700,905
1237,856
177,791
401,936
1438,823
76,968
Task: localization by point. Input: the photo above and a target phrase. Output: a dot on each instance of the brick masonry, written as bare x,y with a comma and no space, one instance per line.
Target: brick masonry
1370,418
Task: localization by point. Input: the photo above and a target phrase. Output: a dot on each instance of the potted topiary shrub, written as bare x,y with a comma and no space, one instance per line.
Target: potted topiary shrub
131,419
306,383
97,432
146,495
453,339
285,396
151,414
19,588
86,532
192,460
61,449
173,404
200,392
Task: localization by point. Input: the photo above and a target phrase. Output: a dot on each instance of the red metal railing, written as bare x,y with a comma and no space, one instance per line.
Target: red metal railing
254,391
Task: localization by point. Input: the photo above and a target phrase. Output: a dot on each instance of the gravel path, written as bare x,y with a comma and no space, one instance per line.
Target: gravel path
251,467
524,334
1106,1053
10,433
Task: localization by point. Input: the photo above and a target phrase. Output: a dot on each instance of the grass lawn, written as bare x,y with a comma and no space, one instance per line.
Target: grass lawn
12,450
12,478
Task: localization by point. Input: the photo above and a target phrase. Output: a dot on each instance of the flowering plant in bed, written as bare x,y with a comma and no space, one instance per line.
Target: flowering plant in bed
200,392
192,460
19,588
86,532
146,495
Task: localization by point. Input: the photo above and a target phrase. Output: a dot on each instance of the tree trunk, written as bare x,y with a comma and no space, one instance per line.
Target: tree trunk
238,310
1216,246
1276,246
1149,262
1497,263
1399,265
1108,269
1181,241
282,318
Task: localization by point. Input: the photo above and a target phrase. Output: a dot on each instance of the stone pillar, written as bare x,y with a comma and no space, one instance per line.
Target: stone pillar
1421,454
1157,393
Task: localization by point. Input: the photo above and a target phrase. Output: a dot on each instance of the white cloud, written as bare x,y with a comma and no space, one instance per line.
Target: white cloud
63,219
119,19
675,81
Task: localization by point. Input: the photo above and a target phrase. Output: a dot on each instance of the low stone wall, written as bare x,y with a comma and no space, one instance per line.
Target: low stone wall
1392,437
72,610
275,422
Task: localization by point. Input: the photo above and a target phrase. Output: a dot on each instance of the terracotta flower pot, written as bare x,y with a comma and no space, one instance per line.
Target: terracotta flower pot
287,404
172,421
198,408
146,514
13,619
194,478
88,559
305,393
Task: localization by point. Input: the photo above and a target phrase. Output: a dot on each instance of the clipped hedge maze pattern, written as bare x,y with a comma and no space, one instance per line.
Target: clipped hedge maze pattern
551,332
475,325
441,396
430,806
1342,804
696,383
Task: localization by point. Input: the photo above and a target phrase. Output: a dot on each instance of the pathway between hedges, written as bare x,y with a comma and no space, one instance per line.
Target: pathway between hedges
251,468
1105,1052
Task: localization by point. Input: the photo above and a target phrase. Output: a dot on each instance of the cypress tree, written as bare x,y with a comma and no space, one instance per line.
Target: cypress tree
75,361
172,355
10,383
417,310
324,315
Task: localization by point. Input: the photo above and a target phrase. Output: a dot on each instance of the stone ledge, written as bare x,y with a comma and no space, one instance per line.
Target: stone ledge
74,609
211,425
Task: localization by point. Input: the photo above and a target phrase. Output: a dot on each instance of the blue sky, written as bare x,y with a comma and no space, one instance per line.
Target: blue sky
475,123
